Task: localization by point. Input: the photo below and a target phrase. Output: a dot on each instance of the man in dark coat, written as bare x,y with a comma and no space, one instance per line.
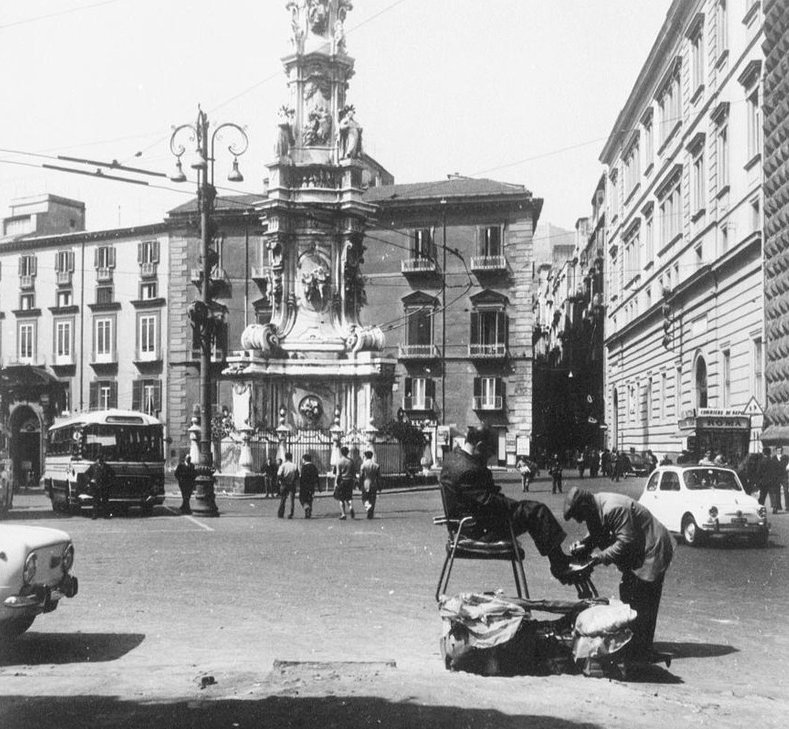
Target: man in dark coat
100,477
469,490
185,475
308,483
629,537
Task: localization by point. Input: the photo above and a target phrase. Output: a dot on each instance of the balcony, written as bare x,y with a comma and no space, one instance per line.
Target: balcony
148,270
418,266
27,282
63,278
217,355
488,403
104,274
411,404
487,351
418,351
488,264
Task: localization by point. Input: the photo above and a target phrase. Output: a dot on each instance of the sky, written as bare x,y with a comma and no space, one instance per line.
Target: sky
522,91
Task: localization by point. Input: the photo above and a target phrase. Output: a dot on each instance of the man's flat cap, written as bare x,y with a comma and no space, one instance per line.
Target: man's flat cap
574,500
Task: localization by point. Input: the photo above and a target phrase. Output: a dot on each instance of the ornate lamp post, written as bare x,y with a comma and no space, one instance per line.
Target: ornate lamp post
205,314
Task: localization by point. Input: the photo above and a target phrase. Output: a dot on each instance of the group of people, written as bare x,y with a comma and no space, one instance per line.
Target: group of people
623,532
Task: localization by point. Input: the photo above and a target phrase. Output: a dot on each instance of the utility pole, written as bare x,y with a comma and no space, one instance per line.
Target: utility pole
444,313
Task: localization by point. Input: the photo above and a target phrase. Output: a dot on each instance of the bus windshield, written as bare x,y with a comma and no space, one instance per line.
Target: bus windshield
132,443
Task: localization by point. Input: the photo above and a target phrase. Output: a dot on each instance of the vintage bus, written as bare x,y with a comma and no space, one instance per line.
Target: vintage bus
131,444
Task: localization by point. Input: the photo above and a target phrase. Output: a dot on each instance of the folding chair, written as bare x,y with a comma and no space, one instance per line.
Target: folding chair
459,546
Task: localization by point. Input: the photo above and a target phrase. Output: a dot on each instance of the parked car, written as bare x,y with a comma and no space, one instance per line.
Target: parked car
636,464
35,574
698,502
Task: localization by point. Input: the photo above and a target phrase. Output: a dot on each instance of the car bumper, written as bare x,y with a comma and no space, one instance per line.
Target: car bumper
43,598
142,500
729,528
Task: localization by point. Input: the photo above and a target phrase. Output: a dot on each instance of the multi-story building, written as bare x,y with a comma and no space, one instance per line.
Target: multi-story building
684,316
82,320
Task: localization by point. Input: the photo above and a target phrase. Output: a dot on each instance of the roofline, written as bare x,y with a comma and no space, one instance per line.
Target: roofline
649,74
43,241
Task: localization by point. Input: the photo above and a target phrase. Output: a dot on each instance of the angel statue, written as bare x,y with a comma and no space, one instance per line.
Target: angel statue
349,133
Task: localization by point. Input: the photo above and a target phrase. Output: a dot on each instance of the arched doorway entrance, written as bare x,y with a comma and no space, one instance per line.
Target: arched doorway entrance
701,383
25,446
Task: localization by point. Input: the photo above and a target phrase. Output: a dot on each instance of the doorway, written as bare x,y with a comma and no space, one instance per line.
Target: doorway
24,447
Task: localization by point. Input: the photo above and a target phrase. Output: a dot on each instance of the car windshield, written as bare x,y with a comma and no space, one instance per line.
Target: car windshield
711,478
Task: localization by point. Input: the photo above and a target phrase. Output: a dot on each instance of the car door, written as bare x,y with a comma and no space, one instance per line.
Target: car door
669,497
650,496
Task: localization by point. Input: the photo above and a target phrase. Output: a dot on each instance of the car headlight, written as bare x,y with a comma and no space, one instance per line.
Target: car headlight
762,512
713,512
67,560
29,572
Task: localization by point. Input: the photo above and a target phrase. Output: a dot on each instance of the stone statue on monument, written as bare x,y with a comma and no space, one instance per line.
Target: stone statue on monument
349,133
285,138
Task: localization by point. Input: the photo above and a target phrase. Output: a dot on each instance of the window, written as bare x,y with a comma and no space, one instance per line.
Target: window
420,393
758,369
147,396
104,338
726,374
27,302
148,252
64,341
649,237
722,154
649,142
724,238
27,265
669,107
754,139
631,263
103,394
488,393
670,213
632,163
149,290
488,333
63,298
698,254
422,245
104,294
722,27
147,337
663,396
697,59
648,403
698,188
105,257
26,342
491,241
64,261
756,215
701,383
419,327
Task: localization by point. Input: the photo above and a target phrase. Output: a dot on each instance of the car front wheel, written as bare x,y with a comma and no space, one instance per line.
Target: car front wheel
16,626
691,532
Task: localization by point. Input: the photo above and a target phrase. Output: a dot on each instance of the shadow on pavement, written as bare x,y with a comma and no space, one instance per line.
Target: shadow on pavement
60,648
696,650
348,712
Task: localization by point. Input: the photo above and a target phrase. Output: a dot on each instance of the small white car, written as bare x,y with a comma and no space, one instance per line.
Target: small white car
703,501
35,573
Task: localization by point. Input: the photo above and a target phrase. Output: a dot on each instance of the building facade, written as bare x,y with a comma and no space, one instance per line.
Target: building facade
83,321
684,284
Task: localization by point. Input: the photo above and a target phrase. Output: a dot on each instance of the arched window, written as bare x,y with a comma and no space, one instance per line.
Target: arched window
701,383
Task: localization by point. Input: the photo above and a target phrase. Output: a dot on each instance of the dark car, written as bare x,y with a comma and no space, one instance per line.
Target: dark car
636,464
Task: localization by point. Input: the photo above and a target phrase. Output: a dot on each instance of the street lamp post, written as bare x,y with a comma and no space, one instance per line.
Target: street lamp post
206,316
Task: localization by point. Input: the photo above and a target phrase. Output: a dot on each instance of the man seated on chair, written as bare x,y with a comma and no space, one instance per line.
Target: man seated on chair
469,490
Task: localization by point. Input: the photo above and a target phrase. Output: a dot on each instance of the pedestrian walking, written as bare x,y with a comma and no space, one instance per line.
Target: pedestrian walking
308,483
343,483
185,475
617,465
556,474
369,473
100,476
631,539
525,471
288,478
605,462
594,463
272,468
769,478
580,463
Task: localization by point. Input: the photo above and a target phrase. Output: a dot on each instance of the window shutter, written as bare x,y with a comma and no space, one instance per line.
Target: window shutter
21,265
499,387
155,251
97,258
113,394
71,261
477,387
110,257
157,395
137,395
501,327
474,337
407,386
93,395
430,388
58,259
140,247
